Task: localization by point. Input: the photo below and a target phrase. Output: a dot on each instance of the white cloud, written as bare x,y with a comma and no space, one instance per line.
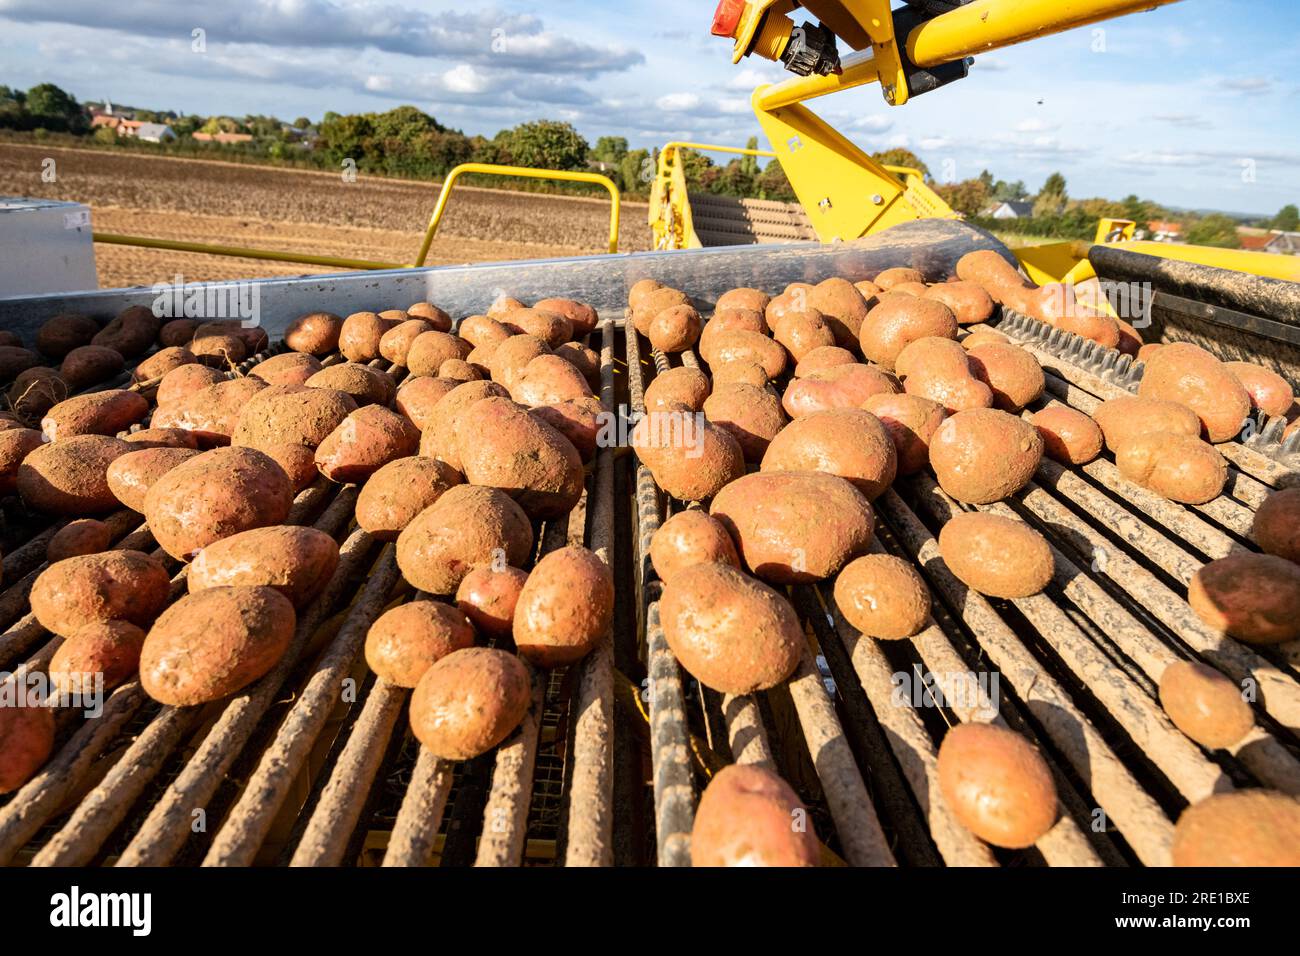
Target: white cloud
1250,85
463,78
871,123
934,142
678,102
1034,126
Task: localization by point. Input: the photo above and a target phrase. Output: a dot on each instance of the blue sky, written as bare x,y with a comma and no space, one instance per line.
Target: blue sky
1195,104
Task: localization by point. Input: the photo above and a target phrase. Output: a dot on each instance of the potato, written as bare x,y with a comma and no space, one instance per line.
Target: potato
502,304
652,303
898,320
410,638
10,338
1127,417
1205,705
930,356
967,301
1013,374
848,442
489,595
910,422
180,383
132,475
983,335
739,373
565,609
689,457
581,317
1268,391
733,320
177,332
840,386
585,360
743,298
551,327
222,350
15,445
418,395
77,538
1276,526
214,495
291,415
369,386
428,350
994,555
956,391
917,289
438,439
26,742
365,441
297,562
750,415
316,333
1253,597
394,316
297,461
842,307
997,784
35,391
899,275
1069,436
87,365
733,634
803,332
677,386
481,331
1187,374
131,332
68,477
61,334
213,643
213,413
640,289
289,368
883,596
466,527
581,421
392,497
501,446
739,345
549,380
1239,828
15,359
253,337
470,701
1101,329
115,585
436,317
162,362
104,650
511,357
689,538
823,357
162,438
674,329
96,413
993,272
360,334
749,816
793,527
983,455
1177,467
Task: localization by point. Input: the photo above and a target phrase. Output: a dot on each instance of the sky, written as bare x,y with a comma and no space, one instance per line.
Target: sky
1195,105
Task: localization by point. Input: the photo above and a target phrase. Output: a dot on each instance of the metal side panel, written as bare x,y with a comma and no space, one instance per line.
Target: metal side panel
932,246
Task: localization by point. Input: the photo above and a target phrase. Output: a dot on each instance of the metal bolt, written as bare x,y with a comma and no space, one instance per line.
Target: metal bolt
877,199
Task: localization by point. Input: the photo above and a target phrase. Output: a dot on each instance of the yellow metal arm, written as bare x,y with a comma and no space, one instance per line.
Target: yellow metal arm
526,172
241,252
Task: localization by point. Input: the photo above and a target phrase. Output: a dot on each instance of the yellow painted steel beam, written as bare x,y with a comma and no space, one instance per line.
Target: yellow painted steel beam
1265,264
859,69
526,172
985,25
241,252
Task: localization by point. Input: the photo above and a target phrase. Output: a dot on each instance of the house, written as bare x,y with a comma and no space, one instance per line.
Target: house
1254,240
1011,209
154,132
1283,243
1164,231
105,120
224,138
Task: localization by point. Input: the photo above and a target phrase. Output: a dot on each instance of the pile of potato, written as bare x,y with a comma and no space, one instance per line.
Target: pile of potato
488,434
815,400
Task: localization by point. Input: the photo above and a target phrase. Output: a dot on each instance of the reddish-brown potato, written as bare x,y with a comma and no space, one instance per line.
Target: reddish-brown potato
803,332
823,357
438,440
131,332
177,332
289,368
1177,467
298,462
584,359
748,816
730,632
883,596
418,396
794,527
997,784
35,391
565,609
409,639
739,373
1204,704
77,538
97,658
360,334
580,420
674,329
677,386
15,359
549,380
297,562
88,365
842,307
291,415
215,642
430,313
933,356
470,701
654,301
743,298
395,344
751,415
489,595
219,350
840,386
26,742
399,491
689,456
69,477
689,538
1187,374
61,334
997,275
967,301
364,442
1130,340
910,422
898,320
468,526
96,413
983,335
428,350
581,317
994,555
899,275
1253,597
640,289
316,333
482,331
368,386
15,445
1069,436
115,585
848,442
1276,527
740,345
180,383
214,495
162,362
983,455
909,288
460,371
1268,391
1239,828
132,475
1014,375
1127,417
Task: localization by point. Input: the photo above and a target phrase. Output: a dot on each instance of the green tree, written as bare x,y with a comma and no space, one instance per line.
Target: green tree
610,150
774,184
1010,192
969,197
1052,198
636,171
347,137
1215,229
548,144
52,108
301,122
749,164
1287,219
901,157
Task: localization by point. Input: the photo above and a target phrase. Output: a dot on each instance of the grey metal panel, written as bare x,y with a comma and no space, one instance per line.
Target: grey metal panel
932,246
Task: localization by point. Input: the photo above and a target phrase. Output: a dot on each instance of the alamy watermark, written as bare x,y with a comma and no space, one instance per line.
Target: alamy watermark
179,299
84,692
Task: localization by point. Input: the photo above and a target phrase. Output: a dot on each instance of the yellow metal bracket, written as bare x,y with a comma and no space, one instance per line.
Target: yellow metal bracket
670,208
242,252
